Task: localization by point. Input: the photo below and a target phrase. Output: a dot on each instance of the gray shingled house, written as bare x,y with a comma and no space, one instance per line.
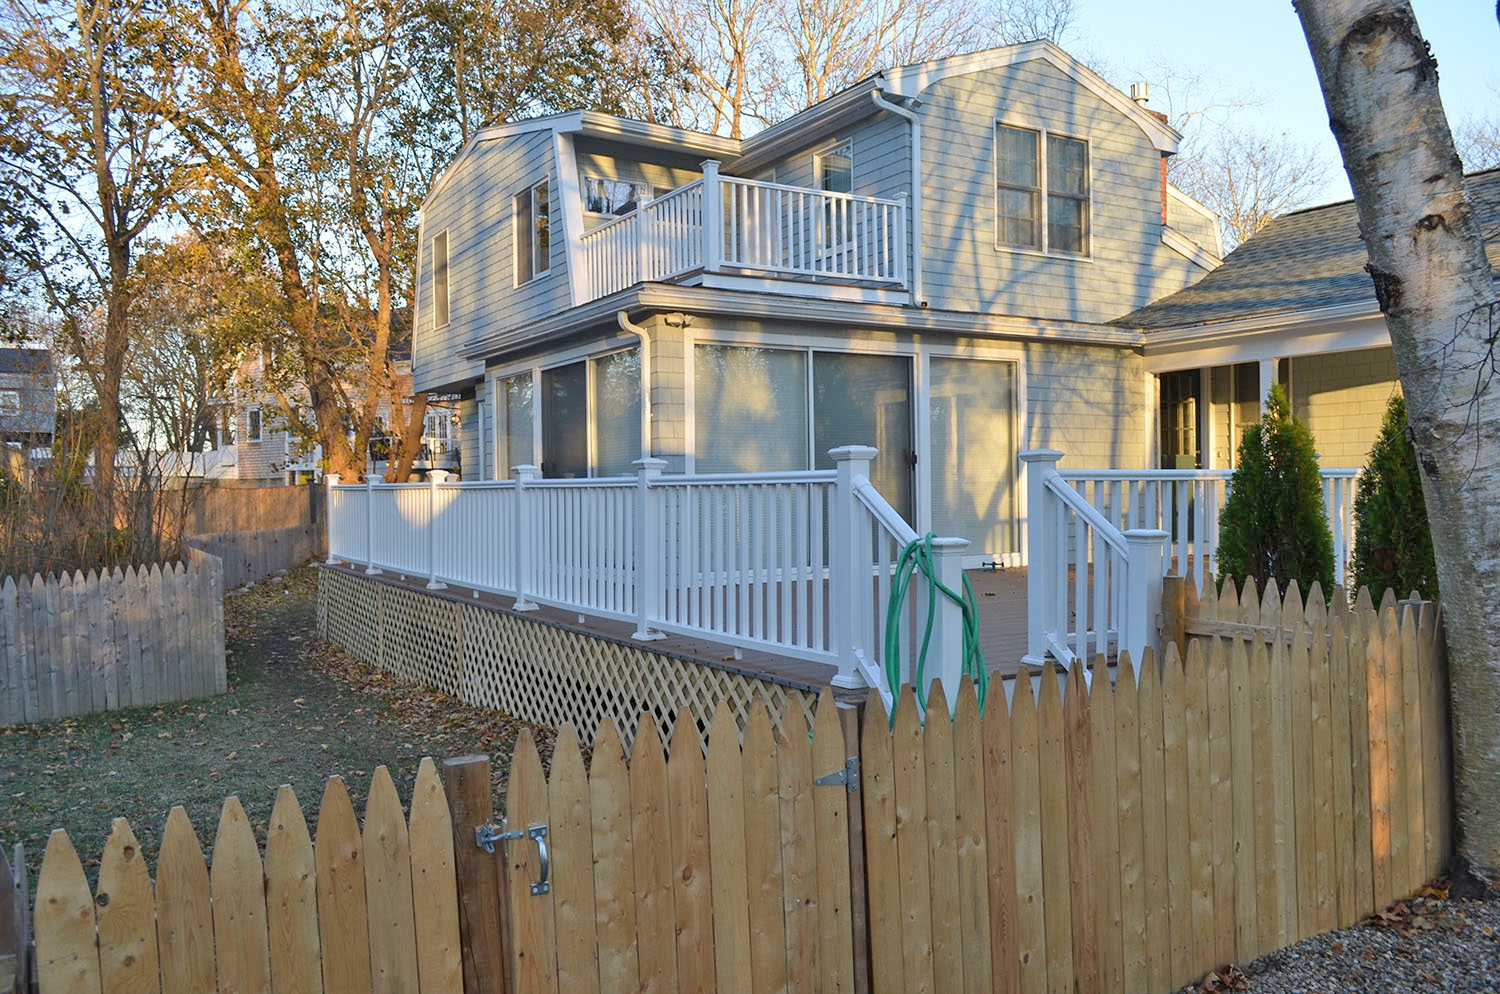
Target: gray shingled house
1292,304
28,404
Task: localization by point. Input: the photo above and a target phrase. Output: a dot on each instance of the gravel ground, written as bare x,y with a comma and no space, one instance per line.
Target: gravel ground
297,711
1426,944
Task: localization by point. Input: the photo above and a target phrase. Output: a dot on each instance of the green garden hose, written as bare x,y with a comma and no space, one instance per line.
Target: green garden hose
917,557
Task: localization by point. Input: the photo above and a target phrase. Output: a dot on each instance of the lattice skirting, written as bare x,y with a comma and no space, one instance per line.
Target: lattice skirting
539,672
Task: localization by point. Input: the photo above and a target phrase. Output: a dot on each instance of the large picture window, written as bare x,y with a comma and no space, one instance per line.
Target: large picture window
591,416
1041,191
533,238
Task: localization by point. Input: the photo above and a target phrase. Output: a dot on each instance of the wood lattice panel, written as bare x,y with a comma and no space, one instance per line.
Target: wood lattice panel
534,670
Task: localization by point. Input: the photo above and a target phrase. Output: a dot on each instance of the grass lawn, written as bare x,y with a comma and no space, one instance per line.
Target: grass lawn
297,711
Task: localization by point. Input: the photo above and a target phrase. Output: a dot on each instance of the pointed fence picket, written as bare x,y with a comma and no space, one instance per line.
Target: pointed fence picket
83,643
1287,774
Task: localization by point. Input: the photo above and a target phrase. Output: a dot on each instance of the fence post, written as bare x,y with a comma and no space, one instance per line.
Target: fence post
713,217
370,568
947,645
483,899
330,480
649,576
1143,592
523,536
1043,558
434,477
846,617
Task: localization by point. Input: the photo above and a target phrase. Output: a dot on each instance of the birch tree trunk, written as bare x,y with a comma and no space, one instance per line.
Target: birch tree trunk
1433,283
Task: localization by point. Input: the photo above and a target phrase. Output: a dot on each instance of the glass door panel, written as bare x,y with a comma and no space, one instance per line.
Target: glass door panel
565,412
973,458
866,400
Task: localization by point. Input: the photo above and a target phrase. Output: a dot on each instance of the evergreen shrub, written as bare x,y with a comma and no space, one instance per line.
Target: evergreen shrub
1274,523
1392,542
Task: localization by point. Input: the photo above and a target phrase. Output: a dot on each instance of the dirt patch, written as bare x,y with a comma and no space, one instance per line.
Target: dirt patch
297,711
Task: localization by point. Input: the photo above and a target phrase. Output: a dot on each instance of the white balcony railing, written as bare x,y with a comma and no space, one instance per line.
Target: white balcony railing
747,226
799,564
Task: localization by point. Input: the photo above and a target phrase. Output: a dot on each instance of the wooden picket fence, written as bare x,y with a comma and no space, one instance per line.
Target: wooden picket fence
81,643
1087,837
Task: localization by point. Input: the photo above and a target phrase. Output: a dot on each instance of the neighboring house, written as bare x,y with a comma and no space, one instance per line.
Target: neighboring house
931,262
1292,304
28,401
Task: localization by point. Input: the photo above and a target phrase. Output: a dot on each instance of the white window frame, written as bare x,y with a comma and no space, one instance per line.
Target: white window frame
442,303
10,403
828,240
1043,192
541,261
255,425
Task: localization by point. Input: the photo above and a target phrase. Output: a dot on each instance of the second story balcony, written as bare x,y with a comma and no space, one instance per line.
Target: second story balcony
725,224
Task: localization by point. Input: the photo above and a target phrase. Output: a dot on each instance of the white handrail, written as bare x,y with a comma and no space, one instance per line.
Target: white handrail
1088,512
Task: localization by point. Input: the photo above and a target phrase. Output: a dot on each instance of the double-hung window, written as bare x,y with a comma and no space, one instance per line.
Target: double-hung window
253,425
533,239
835,169
439,259
1041,191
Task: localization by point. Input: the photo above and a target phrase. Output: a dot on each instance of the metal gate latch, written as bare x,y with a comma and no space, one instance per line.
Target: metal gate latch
847,777
485,837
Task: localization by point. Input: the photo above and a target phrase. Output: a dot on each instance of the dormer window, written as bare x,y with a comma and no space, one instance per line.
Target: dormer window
1041,191
612,196
533,207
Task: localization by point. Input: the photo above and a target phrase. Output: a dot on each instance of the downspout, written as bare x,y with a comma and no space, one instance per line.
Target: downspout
630,328
917,298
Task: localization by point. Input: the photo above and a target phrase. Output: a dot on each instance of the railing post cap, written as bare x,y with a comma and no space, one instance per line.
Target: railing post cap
844,453
437,475
1146,536
949,546
526,471
1041,455
650,466
331,479
710,165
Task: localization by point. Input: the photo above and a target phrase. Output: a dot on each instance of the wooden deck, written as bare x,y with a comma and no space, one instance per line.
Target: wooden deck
1001,596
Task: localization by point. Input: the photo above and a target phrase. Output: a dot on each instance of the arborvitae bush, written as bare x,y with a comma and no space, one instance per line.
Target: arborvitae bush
1274,523
1392,543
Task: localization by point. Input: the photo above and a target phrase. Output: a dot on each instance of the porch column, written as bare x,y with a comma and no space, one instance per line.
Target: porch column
848,578
713,218
370,568
330,480
947,645
1267,377
434,477
1142,600
1043,556
522,536
649,574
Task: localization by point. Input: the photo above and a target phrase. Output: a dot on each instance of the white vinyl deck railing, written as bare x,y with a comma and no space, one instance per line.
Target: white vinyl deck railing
1083,522
750,226
798,564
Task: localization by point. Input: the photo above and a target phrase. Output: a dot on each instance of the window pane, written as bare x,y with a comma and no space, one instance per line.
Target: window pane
440,280
1067,225
836,170
1016,157
617,413
515,423
973,417
750,409
565,431
612,196
541,206
866,400
1018,218
1067,166
524,258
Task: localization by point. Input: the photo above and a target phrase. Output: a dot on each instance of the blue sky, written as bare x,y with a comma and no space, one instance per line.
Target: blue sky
1253,50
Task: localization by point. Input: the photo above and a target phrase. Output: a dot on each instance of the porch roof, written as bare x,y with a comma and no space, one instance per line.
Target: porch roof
1308,260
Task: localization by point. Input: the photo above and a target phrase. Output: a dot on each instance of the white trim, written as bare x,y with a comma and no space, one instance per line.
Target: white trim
1189,249
1043,192
447,281
515,229
570,200
260,428
1342,329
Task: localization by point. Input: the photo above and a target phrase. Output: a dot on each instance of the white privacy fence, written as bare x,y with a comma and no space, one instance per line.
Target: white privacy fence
799,564
1083,523
750,226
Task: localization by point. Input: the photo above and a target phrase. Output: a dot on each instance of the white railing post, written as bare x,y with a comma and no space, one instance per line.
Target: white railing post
370,568
900,228
522,535
434,477
649,575
1043,556
848,578
1144,569
947,645
330,480
713,217
643,241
